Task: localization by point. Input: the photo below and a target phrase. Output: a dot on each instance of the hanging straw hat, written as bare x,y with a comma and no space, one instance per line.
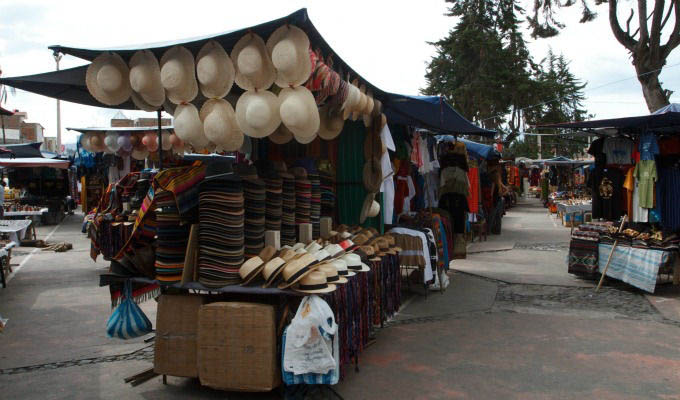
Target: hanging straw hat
353,97
377,108
215,70
139,154
370,103
257,113
372,175
331,122
298,111
188,126
108,79
296,269
178,75
373,145
288,47
361,105
254,68
370,208
304,140
220,126
145,79
140,103
281,135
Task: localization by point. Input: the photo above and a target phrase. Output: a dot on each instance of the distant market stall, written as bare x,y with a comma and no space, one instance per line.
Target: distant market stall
291,215
635,224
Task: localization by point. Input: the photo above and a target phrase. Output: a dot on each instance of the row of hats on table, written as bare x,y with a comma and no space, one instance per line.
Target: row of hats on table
318,266
282,112
136,145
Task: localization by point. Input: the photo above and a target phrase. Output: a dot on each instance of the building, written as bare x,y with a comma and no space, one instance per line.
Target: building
16,129
120,120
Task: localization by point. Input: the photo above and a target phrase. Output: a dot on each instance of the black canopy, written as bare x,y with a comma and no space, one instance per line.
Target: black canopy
5,112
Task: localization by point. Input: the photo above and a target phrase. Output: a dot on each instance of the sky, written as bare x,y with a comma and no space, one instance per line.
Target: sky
384,41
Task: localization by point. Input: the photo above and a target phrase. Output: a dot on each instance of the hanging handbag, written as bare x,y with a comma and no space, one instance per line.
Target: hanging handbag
128,321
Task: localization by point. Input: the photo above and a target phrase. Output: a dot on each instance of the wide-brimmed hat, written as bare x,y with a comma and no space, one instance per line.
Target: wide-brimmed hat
188,126
257,113
341,266
139,154
353,98
215,70
253,266
373,145
298,111
372,175
145,79
368,110
296,269
254,68
370,208
354,263
271,270
334,250
361,105
314,283
304,139
331,122
108,79
178,75
140,103
332,274
281,135
313,247
220,126
288,47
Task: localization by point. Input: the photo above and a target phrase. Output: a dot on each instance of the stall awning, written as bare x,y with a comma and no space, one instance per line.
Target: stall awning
31,162
428,112
23,150
477,150
561,160
124,129
4,111
664,120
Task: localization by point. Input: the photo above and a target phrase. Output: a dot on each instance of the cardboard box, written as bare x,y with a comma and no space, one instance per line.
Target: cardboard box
237,347
177,334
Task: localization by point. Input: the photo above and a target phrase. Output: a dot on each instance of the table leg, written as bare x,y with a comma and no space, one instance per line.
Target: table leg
676,271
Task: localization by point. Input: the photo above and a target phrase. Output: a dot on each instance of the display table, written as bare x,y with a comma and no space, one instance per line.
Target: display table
25,213
16,228
574,208
635,266
5,258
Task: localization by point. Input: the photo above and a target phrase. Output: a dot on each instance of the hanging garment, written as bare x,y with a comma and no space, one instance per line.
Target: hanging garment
645,174
454,180
473,198
667,195
457,206
425,249
618,150
606,186
648,147
387,186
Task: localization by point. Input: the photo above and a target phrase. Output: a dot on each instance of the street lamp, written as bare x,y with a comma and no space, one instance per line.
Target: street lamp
57,57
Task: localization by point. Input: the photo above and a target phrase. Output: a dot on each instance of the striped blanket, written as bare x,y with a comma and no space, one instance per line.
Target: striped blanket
637,267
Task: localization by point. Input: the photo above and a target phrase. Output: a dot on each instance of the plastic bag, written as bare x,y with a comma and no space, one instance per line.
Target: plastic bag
310,338
128,321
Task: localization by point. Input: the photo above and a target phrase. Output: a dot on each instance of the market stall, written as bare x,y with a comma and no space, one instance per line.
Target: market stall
634,180
290,221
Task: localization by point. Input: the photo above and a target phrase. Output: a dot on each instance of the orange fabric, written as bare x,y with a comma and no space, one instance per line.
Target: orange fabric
473,198
629,185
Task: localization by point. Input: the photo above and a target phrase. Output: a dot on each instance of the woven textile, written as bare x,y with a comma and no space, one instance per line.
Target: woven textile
637,267
583,258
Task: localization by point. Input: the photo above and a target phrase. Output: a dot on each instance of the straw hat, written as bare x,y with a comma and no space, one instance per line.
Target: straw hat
254,68
354,263
108,79
188,126
139,154
215,70
332,275
373,145
304,139
271,270
369,107
281,135
178,75
370,209
331,122
313,247
361,105
140,103
288,47
296,269
341,266
353,97
220,126
298,111
250,269
313,283
145,78
372,175
377,108
257,113
334,250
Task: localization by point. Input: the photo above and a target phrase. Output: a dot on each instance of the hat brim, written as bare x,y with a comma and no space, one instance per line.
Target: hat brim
330,288
266,128
265,77
253,274
273,276
189,89
303,68
155,95
366,207
312,121
364,268
108,98
223,84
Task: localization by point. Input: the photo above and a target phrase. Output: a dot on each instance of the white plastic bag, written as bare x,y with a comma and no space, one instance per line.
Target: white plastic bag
310,338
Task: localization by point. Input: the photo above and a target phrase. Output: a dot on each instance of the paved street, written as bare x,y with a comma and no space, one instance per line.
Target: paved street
513,324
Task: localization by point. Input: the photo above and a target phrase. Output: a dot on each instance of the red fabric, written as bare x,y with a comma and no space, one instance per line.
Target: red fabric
636,152
400,188
473,198
669,145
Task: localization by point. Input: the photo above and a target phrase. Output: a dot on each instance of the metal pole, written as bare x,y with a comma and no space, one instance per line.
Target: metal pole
57,58
2,118
538,137
160,141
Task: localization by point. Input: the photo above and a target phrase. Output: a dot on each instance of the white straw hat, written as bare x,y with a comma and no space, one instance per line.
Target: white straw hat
140,103
108,79
254,68
353,97
354,263
304,139
288,47
359,107
220,126
145,78
314,282
215,71
298,111
139,154
257,113
281,135
370,208
178,75
331,122
188,126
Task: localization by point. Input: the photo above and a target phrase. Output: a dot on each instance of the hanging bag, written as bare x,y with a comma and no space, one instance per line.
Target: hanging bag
128,321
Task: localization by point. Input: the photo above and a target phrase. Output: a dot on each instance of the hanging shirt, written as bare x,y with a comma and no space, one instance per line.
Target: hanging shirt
387,186
606,186
619,150
648,147
473,198
596,150
645,173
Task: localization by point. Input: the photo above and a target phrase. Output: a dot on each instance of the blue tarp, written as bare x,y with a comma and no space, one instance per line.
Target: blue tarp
428,112
476,150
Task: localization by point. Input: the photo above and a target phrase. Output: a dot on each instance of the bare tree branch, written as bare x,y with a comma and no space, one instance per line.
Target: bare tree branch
642,17
674,38
655,36
630,18
626,40
668,14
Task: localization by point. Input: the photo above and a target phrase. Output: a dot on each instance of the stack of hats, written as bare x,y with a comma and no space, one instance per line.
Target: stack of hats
315,216
273,210
255,195
327,194
172,238
288,236
303,201
220,233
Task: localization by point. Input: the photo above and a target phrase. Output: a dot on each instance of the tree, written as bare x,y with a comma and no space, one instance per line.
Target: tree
645,45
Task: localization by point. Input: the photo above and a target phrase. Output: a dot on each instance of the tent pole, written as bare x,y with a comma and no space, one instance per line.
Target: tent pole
160,142
2,118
